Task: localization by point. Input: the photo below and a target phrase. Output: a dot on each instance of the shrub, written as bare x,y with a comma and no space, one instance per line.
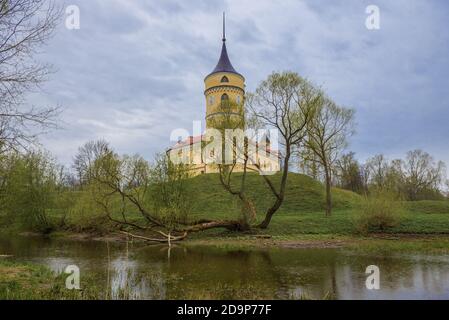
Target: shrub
85,215
377,213
30,189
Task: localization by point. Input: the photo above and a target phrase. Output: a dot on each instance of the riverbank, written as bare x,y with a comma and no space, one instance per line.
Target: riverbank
28,281
220,264
20,281
432,243
423,225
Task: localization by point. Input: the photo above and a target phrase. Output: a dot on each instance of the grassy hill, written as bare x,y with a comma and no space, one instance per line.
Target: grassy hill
302,212
303,194
303,208
428,207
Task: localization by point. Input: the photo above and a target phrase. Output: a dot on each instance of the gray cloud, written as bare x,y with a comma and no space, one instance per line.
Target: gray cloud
134,71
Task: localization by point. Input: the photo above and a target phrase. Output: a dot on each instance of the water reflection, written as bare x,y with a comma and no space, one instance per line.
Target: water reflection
131,271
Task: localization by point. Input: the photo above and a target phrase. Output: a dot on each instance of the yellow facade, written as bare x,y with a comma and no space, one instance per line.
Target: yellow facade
219,87
225,97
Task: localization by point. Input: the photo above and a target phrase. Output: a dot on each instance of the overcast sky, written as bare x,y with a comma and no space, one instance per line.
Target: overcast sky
134,70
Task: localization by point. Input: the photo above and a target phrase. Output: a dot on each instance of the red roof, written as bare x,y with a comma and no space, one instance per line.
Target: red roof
192,140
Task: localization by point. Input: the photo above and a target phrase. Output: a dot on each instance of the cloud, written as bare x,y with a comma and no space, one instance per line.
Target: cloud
134,71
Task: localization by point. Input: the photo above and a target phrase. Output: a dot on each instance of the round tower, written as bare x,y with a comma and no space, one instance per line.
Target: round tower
224,90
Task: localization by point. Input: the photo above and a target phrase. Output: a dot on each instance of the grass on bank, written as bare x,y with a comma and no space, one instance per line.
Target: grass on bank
26,281
302,212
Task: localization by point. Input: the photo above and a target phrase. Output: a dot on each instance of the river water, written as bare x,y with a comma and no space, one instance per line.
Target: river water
135,271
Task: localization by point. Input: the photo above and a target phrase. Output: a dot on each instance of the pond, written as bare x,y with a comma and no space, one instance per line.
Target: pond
133,271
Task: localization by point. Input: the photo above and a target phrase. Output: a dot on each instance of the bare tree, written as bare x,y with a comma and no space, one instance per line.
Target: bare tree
385,176
25,26
422,173
446,187
123,185
417,176
327,135
350,174
377,169
84,160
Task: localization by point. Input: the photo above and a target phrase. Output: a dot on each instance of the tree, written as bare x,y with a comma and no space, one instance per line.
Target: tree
233,153
422,174
446,185
31,186
124,185
327,134
350,173
287,103
25,25
84,160
385,176
377,168
171,197
416,177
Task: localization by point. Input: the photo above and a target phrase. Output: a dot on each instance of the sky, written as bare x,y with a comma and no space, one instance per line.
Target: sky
134,70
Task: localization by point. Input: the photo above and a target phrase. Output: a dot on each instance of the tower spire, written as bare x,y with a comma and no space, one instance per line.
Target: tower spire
224,27
223,65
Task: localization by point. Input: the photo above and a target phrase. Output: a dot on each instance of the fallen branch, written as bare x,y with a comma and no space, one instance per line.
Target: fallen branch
168,239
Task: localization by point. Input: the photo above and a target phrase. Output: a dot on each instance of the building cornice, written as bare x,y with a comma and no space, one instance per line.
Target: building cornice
223,87
224,113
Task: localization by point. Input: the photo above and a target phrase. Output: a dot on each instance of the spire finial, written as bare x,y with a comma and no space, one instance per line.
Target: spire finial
224,27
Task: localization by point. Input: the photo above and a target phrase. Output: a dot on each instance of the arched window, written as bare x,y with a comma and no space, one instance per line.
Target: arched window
211,100
238,99
224,79
224,100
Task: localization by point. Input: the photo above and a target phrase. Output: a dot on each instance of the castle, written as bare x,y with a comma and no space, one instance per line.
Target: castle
225,97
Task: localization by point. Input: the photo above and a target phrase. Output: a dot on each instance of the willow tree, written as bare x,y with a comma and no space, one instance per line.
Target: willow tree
286,103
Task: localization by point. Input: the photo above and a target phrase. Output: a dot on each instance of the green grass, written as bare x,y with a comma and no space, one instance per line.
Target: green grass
428,207
23,281
303,209
302,212
26,281
303,194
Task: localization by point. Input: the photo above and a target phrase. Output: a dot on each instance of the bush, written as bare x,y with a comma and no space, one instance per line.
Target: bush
377,213
85,215
30,189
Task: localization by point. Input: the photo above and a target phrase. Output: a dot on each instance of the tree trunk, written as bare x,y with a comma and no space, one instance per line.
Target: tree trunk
264,224
168,238
227,224
280,198
328,192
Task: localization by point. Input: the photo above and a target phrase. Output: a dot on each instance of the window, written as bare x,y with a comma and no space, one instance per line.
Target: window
224,79
224,100
238,100
211,100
